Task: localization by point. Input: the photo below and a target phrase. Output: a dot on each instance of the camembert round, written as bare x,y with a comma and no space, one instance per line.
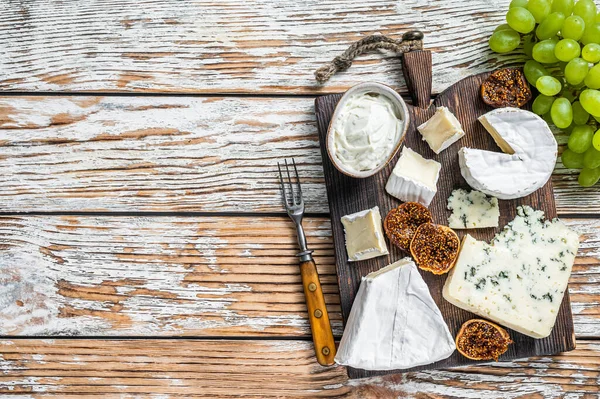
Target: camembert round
526,163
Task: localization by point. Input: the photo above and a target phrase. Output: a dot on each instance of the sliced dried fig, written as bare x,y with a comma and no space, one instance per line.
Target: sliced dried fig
506,88
402,222
435,248
480,339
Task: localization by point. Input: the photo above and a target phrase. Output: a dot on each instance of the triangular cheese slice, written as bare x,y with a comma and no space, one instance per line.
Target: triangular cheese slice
394,322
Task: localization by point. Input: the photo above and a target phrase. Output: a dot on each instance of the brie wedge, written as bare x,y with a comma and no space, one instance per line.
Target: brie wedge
394,323
441,130
528,160
364,235
520,279
414,178
472,210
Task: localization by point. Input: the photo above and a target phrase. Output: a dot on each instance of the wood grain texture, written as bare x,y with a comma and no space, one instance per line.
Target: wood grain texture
195,276
349,195
231,47
267,369
173,154
157,276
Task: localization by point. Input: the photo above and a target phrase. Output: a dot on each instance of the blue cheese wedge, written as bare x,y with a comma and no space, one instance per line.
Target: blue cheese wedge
441,130
472,210
394,322
364,235
520,279
414,178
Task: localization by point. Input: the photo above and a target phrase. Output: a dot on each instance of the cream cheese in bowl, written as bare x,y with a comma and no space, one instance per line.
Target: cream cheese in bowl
367,129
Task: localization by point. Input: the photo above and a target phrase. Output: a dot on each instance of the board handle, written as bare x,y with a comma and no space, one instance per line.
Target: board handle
417,71
317,314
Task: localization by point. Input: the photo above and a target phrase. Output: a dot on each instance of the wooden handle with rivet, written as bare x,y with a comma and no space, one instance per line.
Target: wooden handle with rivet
317,314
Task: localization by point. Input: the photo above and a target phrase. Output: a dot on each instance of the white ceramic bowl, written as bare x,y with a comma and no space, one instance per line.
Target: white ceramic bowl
368,87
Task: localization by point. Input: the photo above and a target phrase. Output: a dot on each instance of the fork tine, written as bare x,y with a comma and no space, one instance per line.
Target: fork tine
283,194
287,168
297,180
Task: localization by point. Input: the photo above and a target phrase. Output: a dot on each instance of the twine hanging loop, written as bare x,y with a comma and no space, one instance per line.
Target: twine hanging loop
410,41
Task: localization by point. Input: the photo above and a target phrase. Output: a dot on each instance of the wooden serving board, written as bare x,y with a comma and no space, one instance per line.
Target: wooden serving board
347,195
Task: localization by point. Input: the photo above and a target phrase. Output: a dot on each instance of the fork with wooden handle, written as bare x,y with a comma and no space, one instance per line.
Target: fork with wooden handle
317,312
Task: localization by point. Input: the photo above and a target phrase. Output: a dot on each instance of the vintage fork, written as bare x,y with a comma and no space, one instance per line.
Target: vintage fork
317,312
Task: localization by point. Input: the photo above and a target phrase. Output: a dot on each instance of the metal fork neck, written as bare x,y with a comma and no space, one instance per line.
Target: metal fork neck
305,253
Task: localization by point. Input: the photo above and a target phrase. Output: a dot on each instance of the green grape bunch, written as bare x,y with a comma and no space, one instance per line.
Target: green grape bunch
561,39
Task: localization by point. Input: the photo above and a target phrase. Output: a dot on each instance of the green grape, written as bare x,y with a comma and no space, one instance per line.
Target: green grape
539,9
580,115
563,6
518,3
592,79
596,140
572,160
567,49
575,71
550,26
591,52
591,158
544,51
520,19
533,70
528,43
581,138
561,113
573,27
547,117
588,177
504,41
586,9
548,86
590,100
591,34
503,27
542,104
597,17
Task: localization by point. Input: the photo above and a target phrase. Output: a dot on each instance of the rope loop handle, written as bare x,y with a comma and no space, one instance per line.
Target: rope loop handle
410,41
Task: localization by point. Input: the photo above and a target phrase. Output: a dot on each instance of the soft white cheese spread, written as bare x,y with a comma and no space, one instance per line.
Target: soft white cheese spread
366,131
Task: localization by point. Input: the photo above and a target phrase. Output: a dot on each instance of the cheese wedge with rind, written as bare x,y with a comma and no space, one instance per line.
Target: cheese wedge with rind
528,160
394,322
364,235
520,279
414,178
441,130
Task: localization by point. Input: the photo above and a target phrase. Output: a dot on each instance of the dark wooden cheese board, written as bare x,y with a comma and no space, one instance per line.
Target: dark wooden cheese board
347,195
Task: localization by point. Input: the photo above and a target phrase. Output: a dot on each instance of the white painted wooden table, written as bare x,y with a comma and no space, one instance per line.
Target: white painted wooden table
143,248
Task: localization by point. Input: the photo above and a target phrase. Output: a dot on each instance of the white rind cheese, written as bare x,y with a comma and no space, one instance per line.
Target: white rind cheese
472,210
441,130
414,178
364,235
394,323
530,152
520,279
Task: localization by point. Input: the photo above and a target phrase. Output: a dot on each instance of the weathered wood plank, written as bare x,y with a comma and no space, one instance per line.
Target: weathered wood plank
231,47
197,276
283,369
158,276
172,154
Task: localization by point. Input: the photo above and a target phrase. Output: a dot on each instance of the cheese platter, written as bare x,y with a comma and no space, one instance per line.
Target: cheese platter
488,178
